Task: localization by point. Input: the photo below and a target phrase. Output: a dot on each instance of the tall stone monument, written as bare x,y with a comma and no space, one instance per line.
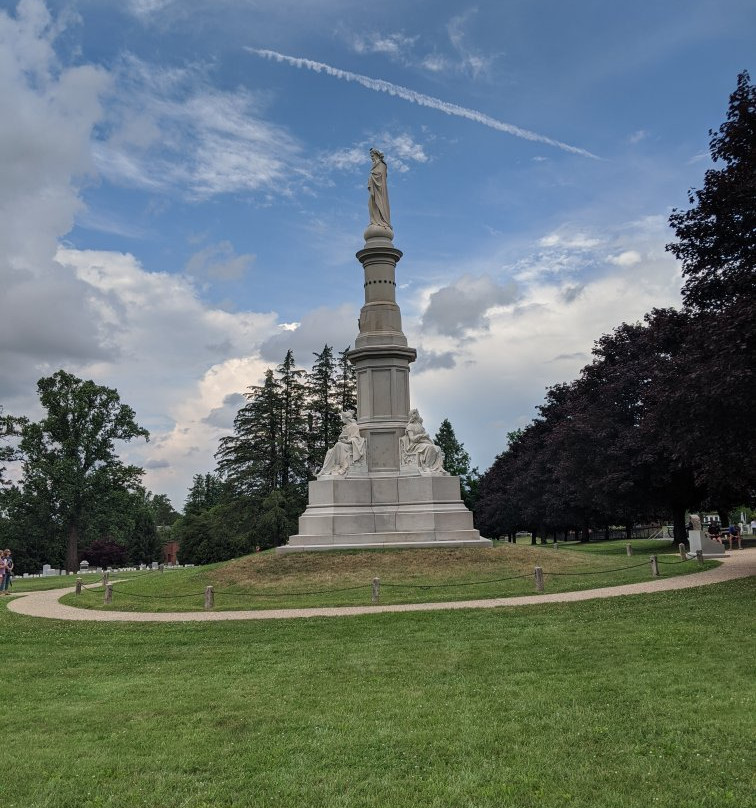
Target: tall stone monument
383,483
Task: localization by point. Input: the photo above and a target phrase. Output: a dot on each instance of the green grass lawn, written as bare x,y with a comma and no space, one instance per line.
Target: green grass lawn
637,701
267,580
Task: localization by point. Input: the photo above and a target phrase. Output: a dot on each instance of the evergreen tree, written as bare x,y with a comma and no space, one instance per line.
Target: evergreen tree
457,462
323,407
347,382
205,493
456,459
249,460
293,436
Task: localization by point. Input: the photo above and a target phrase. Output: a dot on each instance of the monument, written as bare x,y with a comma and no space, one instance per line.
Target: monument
383,484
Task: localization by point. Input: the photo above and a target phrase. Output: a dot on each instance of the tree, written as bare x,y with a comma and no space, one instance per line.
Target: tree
716,242
205,493
457,462
323,407
162,510
717,235
70,461
347,382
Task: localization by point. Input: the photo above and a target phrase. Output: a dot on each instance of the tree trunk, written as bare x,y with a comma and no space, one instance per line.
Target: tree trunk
72,548
679,525
533,537
628,531
585,535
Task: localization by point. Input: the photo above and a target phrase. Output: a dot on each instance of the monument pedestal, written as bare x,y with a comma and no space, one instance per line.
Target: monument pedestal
385,511
700,541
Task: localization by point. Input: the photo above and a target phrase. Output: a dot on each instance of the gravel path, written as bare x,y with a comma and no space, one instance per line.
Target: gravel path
737,564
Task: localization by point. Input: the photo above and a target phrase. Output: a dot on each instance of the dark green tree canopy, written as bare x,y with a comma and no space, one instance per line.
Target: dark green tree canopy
716,237
70,463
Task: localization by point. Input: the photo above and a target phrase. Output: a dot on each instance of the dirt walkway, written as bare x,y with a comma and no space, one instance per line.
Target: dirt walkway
737,564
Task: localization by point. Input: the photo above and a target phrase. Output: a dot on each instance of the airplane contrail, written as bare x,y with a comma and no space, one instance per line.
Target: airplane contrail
381,86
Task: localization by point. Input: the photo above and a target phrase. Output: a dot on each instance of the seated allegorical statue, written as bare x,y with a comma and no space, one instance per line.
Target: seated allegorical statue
348,449
417,447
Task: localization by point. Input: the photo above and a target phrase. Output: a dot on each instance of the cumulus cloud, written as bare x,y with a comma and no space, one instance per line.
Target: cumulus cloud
628,258
463,306
541,340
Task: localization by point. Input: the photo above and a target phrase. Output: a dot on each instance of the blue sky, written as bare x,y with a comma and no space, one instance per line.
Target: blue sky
183,193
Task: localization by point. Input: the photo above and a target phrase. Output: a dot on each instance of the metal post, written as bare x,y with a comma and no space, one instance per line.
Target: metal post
539,579
108,594
209,598
654,567
376,590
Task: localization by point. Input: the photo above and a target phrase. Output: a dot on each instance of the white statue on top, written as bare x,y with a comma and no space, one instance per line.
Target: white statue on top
418,449
348,449
378,201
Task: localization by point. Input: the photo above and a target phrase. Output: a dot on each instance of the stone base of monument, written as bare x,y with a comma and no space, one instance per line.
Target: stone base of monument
384,512
700,541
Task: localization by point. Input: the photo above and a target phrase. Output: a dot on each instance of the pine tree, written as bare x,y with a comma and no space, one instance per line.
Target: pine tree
347,382
249,460
456,459
457,462
323,407
293,435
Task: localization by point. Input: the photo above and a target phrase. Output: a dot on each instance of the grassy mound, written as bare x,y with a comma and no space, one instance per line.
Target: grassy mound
267,580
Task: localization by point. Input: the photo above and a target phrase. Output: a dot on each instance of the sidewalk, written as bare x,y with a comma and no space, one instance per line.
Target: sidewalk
736,564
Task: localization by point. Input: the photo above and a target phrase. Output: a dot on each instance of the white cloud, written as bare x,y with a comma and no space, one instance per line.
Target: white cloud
628,258
471,60
177,357
492,381
463,307
169,130
396,46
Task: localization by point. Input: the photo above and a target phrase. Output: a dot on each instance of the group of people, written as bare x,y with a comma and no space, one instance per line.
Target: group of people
6,570
732,533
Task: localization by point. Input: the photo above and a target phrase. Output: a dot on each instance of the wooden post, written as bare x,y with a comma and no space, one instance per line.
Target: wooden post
654,567
699,556
629,548
209,598
376,590
105,577
556,543
683,554
161,567
78,586
539,579
108,594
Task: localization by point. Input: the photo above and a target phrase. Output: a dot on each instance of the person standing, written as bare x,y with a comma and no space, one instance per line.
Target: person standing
6,567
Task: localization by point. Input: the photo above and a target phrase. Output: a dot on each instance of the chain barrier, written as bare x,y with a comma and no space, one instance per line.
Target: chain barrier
445,586
260,595
599,572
